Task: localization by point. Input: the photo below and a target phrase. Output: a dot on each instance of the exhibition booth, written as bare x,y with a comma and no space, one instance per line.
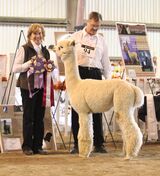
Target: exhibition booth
136,66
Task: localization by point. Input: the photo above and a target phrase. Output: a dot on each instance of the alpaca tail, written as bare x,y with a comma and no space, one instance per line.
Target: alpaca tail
139,97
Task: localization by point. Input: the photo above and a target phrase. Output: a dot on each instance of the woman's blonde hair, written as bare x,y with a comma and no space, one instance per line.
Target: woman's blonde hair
33,28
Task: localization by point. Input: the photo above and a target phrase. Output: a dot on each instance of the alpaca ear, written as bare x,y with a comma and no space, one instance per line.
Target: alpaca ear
72,43
54,48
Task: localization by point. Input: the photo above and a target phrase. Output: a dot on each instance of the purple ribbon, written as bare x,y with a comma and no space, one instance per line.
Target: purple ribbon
38,67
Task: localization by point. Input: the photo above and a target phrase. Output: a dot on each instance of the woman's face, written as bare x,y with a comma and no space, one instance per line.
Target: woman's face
37,36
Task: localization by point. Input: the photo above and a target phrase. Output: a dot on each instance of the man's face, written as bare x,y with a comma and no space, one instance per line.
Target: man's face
92,26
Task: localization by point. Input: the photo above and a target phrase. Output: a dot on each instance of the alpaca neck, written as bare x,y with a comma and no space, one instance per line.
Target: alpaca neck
71,70
129,52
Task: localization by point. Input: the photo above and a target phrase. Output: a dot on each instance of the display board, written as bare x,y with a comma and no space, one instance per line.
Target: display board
135,48
11,129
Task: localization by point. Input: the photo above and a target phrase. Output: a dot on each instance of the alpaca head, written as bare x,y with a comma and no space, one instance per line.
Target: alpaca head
64,48
126,47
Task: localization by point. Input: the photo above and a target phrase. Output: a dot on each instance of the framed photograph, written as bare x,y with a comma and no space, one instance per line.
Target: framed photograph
131,73
118,67
6,126
10,144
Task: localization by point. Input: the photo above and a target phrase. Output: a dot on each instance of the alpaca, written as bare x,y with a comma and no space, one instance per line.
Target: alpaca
132,55
91,96
6,127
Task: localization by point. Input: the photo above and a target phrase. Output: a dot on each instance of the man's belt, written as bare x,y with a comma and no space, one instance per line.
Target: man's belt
89,68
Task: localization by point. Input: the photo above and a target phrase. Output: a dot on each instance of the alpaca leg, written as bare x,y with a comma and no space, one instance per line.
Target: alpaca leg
85,135
116,116
133,139
139,139
131,135
127,144
124,146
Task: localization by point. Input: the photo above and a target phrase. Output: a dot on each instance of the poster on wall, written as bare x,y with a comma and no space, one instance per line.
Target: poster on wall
134,46
117,67
6,126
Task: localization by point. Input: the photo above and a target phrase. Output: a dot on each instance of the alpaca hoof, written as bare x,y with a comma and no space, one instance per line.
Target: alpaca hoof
83,156
127,158
122,154
85,148
135,155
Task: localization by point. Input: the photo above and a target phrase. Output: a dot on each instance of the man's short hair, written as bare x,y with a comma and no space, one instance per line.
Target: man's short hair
96,16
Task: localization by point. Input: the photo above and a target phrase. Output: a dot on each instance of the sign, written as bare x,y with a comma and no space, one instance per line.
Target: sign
134,45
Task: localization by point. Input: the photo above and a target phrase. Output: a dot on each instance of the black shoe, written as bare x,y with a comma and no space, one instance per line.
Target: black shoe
27,151
41,152
100,149
74,150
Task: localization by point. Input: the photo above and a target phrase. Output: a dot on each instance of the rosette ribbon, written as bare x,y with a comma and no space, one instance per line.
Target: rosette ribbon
40,73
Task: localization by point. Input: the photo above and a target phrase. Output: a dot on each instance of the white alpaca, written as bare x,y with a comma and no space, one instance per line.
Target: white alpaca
92,96
132,54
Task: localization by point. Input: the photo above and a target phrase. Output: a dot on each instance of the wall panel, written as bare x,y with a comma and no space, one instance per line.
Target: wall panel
111,38
144,11
9,35
36,8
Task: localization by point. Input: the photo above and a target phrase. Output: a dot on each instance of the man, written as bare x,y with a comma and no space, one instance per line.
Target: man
92,57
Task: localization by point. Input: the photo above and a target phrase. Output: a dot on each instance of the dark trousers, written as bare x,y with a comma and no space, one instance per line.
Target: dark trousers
33,115
97,118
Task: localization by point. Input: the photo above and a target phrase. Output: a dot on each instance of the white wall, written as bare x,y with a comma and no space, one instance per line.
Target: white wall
144,11
9,36
112,10
33,8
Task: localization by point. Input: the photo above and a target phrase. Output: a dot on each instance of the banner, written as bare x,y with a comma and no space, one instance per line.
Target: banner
134,45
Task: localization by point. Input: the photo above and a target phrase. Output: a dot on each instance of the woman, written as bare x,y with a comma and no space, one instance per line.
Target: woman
32,87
